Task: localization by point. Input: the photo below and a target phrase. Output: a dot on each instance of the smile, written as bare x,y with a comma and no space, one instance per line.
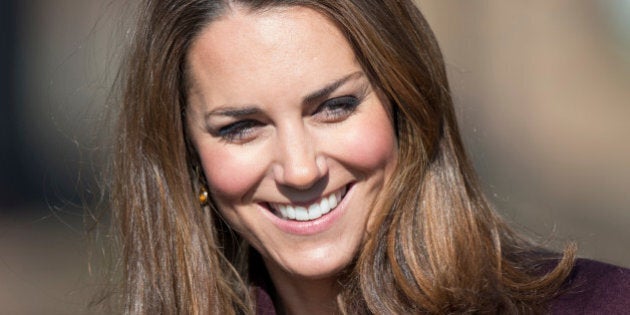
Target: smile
311,211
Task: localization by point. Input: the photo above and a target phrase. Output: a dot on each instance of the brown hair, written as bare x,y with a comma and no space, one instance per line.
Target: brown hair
436,245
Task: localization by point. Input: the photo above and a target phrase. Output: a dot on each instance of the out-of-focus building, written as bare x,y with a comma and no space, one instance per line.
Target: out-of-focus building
541,89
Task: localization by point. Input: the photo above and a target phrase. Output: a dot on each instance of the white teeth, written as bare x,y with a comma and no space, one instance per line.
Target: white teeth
314,212
283,211
290,213
301,214
311,212
324,206
332,201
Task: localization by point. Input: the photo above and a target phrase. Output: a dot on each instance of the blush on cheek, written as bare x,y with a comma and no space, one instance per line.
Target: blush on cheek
370,144
229,174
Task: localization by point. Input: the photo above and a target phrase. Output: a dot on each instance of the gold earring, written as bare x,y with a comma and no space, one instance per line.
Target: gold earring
203,196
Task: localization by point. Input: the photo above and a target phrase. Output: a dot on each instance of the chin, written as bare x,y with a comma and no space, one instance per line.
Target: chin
312,266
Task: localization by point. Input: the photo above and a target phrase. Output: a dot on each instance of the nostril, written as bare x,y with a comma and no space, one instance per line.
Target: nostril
301,176
300,173
322,165
298,163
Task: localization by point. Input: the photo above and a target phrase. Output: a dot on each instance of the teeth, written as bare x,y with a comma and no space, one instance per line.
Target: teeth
332,200
324,206
290,213
314,211
301,214
311,212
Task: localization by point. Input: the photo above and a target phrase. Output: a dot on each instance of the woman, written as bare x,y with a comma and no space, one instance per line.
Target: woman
320,139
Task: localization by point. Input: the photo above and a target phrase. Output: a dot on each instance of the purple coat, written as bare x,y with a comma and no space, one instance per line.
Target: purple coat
595,288
592,288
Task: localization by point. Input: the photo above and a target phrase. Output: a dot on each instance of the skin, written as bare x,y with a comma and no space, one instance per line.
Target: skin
266,131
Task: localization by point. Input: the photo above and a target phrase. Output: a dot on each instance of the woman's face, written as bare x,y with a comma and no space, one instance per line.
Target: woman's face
294,141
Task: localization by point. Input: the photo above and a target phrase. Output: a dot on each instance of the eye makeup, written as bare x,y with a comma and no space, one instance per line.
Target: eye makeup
239,125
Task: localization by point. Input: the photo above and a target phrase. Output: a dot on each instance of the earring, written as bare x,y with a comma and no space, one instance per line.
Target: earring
203,196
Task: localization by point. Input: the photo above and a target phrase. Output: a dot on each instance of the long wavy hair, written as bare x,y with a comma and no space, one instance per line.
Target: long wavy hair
436,245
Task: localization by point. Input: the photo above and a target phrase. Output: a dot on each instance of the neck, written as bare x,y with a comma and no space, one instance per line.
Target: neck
305,296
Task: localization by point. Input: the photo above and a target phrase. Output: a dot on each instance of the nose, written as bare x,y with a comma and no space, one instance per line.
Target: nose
299,164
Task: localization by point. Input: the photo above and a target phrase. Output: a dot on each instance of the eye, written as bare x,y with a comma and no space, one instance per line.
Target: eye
336,109
238,131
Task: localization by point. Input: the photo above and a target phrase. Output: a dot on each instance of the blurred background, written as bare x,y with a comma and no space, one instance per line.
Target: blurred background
542,90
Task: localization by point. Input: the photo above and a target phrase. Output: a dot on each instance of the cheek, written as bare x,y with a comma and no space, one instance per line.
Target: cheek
231,173
369,143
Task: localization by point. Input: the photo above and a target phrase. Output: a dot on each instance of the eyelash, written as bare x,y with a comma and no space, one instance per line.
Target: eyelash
337,108
238,131
332,110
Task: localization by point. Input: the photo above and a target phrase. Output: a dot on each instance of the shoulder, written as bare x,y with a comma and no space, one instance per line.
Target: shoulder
594,288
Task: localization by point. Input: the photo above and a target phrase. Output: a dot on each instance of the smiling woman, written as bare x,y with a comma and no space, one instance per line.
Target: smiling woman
295,169
321,138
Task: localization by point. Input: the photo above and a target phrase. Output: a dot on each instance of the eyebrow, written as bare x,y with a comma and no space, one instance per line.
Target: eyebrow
234,111
330,88
314,97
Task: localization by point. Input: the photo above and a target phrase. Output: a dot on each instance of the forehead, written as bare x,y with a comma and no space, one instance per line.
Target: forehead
285,45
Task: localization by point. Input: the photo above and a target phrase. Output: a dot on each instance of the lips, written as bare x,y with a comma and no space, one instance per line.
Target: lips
312,211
